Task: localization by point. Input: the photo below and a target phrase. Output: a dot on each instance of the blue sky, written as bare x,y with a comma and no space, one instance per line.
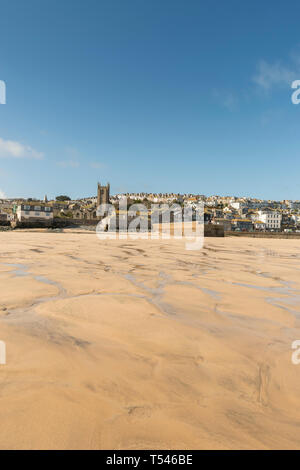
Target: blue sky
151,95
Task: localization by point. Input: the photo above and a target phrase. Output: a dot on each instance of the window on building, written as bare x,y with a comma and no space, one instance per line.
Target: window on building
37,214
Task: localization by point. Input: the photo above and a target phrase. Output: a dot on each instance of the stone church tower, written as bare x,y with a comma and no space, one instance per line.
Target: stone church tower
103,194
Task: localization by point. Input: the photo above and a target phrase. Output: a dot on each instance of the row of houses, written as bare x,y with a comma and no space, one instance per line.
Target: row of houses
33,213
260,220
241,214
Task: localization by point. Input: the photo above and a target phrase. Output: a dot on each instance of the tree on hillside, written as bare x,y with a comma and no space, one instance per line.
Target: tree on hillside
63,198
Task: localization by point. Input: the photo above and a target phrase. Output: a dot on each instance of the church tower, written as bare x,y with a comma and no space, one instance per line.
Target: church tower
103,194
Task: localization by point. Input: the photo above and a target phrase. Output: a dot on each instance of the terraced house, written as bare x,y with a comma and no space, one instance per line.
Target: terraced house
34,213
272,219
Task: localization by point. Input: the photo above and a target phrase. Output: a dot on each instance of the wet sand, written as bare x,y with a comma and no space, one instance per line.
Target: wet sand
144,345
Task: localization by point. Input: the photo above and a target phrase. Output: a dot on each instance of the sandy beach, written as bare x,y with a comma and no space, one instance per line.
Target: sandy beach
122,344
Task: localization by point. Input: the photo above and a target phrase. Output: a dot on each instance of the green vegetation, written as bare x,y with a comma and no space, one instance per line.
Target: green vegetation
68,214
63,198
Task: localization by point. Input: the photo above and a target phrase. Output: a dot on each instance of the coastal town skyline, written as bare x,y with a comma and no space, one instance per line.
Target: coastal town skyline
228,213
51,196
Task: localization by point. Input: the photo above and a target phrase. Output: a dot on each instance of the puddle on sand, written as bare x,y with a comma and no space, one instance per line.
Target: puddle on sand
213,293
156,292
285,303
21,270
291,296
279,290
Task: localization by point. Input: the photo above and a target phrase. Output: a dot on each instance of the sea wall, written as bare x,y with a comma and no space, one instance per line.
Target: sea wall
210,230
291,235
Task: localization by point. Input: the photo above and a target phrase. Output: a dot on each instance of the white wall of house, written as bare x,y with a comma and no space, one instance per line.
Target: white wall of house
272,219
296,219
34,212
237,205
259,225
295,205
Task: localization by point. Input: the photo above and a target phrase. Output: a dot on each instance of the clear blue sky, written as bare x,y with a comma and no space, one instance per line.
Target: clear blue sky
151,95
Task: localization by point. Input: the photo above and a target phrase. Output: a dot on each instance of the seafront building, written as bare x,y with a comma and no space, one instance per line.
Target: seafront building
33,214
271,219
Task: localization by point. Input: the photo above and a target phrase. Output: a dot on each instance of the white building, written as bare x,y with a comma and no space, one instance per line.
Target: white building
34,213
237,205
295,205
296,219
271,219
258,225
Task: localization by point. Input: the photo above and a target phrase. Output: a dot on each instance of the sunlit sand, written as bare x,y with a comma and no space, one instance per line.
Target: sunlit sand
140,344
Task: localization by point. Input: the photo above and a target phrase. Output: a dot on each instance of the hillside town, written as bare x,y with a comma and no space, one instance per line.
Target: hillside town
240,214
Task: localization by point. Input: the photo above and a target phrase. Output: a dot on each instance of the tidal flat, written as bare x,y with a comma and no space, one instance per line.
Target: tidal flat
141,344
